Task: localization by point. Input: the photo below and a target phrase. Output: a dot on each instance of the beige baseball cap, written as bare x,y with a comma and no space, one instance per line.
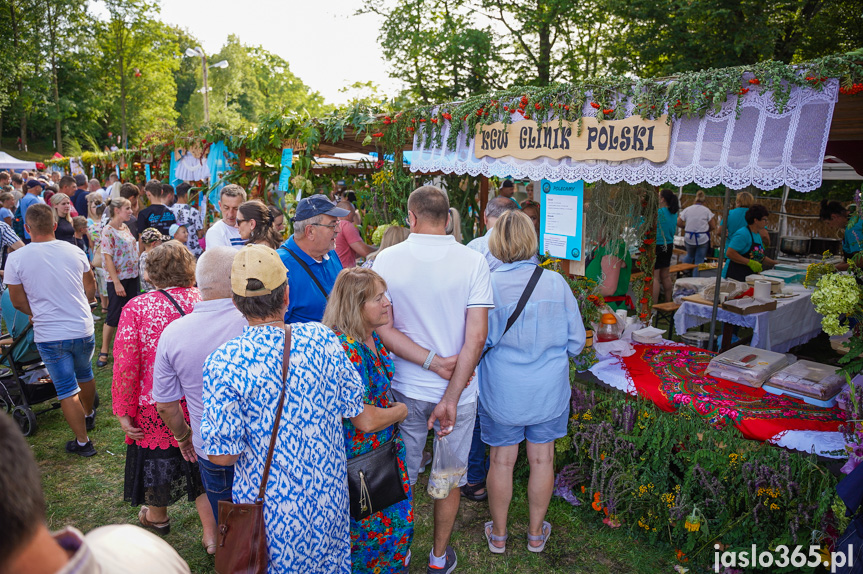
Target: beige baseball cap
257,262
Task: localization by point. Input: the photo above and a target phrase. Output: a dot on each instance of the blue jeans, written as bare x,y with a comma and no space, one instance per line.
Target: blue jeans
696,254
69,363
477,460
218,481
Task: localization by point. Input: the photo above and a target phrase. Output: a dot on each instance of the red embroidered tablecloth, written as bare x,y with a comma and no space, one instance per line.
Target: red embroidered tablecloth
674,378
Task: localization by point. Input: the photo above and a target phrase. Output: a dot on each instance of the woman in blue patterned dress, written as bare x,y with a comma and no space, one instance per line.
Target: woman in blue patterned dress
306,502
358,305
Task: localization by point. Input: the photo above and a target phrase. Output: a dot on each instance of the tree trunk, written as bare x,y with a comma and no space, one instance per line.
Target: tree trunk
121,58
544,55
52,24
19,84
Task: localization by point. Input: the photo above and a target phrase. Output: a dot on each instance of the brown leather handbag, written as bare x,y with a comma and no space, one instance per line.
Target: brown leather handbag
242,542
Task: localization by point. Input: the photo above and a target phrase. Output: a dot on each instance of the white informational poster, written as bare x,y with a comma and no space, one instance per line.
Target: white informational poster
562,221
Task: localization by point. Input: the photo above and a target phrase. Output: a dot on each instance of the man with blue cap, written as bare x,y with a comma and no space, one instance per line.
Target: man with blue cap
309,254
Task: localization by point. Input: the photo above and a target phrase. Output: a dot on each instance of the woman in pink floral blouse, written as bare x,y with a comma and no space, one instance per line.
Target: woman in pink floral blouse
156,473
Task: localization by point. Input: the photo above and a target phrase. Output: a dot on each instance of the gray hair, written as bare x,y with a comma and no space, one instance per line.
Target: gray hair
213,272
96,182
233,190
498,206
300,226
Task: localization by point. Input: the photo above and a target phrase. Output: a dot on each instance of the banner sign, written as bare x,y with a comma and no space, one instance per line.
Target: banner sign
562,222
285,173
610,140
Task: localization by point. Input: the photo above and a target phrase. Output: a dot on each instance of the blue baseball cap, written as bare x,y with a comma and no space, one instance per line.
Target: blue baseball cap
317,205
35,183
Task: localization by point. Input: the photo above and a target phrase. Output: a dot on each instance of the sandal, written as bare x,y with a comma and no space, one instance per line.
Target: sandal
100,362
470,491
546,533
162,528
489,537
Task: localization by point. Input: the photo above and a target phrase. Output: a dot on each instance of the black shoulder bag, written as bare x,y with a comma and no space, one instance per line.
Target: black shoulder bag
174,301
519,307
309,271
374,479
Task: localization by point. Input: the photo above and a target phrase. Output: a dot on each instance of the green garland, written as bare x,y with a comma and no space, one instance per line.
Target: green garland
389,131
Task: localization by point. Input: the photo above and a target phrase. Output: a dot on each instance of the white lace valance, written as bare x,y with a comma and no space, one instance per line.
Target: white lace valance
761,147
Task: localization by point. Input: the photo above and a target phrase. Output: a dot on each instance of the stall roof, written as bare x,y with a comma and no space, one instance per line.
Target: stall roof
9,162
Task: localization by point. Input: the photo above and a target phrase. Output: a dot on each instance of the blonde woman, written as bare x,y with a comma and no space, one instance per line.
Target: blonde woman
531,359
62,207
95,210
453,226
698,222
356,307
120,260
392,236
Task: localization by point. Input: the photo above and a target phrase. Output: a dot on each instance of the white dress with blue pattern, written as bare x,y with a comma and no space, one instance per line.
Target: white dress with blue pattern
306,505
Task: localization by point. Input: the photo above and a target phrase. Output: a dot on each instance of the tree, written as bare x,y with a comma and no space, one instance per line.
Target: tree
141,54
435,47
255,81
666,37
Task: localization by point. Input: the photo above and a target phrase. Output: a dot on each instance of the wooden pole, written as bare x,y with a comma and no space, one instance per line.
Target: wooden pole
483,201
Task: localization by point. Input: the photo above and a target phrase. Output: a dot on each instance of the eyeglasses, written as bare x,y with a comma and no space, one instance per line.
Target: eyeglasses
239,221
331,227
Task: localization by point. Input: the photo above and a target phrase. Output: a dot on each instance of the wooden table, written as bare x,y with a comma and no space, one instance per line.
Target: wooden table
673,270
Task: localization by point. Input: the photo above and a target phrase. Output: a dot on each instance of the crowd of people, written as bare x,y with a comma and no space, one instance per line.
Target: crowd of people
197,323
205,328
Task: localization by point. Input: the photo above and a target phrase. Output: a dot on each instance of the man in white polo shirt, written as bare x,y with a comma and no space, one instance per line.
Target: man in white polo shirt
226,232
441,295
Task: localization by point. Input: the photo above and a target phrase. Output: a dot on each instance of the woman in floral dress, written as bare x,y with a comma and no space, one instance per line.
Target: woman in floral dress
357,305
156,473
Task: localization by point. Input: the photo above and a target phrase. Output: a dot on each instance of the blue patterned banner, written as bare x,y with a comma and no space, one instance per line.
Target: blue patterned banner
285,174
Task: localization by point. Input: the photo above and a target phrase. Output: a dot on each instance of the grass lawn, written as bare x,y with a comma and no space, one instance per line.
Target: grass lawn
88,493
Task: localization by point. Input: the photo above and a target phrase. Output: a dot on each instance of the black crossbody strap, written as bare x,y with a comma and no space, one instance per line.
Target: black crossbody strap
519,307
309,271
174,301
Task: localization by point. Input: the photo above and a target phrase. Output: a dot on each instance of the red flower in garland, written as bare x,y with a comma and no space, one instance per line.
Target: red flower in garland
648,241
743,91
538,106
566,107
422,120
447,116
648,278
387,120
754,81
378,135
434,120
505,108
527,116
608,112
411,128
594,105
479,112
524,100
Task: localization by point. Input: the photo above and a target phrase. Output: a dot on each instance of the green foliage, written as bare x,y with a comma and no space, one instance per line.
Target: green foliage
670,478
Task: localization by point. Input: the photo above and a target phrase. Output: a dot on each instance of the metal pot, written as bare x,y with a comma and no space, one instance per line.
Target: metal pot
819,245
794,245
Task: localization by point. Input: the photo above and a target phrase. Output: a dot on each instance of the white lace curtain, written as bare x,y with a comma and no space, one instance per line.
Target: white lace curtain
761,147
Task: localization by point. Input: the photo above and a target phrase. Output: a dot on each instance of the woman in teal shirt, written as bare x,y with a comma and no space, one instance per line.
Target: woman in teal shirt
666,228
737,216
745,252
611,268
838,217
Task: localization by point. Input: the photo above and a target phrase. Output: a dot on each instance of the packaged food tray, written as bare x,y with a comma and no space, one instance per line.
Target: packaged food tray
815,383
746,365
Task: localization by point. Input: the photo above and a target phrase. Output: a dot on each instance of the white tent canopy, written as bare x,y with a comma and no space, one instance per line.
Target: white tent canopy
9,162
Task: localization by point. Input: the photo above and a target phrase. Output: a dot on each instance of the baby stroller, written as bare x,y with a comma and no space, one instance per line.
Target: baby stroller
24,380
